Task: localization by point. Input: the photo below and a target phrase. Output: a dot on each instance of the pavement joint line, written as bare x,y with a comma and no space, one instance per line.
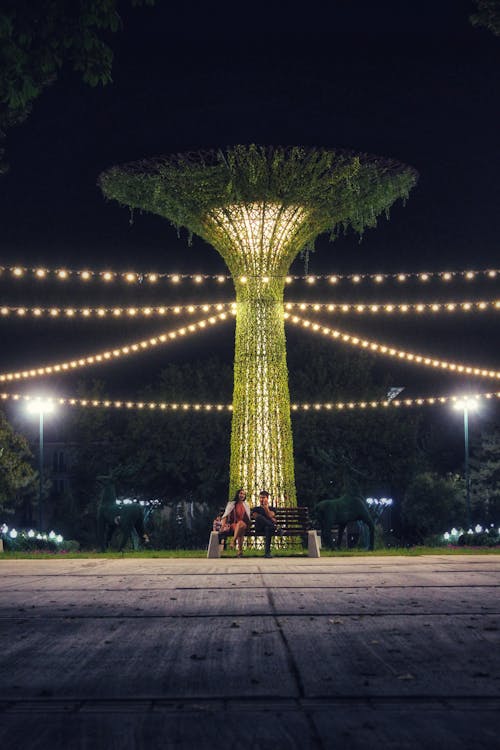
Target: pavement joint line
263,703
249,571
295,671
242,615
384,587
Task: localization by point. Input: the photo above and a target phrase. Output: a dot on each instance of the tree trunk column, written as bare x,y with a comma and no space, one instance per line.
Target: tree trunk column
261,439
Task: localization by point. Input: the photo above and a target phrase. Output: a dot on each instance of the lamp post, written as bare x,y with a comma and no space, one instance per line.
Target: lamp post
40,407
466,405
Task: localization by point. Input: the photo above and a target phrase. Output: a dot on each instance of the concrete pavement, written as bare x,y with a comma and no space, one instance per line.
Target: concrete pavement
282,653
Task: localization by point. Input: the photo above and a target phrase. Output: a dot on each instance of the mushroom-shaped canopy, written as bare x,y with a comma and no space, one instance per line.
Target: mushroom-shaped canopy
338,188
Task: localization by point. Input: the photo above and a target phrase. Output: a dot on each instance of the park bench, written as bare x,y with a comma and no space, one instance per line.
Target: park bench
292,522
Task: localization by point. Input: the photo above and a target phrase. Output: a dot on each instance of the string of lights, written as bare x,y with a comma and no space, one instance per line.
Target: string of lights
213,407
107,312
406,307
113,354
389,351
162,310
153,277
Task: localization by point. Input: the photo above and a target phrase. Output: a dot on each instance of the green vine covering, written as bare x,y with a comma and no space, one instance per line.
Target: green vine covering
259,207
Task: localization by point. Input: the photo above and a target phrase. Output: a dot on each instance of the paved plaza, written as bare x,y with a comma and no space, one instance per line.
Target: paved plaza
288,653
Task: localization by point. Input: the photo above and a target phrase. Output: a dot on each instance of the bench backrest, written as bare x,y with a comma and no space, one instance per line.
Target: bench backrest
292,520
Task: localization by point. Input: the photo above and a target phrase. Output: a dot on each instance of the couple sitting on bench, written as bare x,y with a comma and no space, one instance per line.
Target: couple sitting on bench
237,519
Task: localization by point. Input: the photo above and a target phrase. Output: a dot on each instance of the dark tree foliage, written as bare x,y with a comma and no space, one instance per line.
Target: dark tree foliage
431,505
374,452
487,15
18,480
39,37
94,438
183,454
485,475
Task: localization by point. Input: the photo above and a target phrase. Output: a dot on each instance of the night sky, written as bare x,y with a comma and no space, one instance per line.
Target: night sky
411,81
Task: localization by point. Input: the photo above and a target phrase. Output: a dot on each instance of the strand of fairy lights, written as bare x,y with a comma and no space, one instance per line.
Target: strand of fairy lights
136,277
399,307
389,351
107,312
162,310
116,353
295,407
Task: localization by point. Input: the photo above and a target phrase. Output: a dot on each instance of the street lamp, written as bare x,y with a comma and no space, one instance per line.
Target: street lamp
467,405
40,407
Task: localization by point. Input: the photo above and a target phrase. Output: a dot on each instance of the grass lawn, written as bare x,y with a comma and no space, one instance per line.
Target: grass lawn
294,552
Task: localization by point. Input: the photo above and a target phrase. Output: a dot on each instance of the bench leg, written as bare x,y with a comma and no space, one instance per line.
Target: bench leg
213,546
312,544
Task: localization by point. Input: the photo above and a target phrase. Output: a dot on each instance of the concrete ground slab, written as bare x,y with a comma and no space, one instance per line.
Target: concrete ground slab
280,653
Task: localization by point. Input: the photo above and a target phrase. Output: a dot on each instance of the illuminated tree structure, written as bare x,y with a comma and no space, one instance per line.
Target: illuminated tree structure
259,207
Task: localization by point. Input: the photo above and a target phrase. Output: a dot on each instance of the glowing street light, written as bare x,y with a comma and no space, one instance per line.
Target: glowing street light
40,407
466,405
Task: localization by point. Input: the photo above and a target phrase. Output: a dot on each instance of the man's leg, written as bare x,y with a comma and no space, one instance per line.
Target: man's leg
265,527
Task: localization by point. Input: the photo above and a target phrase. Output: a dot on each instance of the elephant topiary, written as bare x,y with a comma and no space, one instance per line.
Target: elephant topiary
112,517
341,511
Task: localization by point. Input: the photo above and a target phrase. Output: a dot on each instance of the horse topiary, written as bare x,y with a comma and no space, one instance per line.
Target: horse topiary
341,511
111,518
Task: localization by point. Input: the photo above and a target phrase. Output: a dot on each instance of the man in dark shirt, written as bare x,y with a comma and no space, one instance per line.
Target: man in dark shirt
265,521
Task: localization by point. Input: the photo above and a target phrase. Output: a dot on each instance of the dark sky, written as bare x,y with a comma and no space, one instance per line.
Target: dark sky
407,80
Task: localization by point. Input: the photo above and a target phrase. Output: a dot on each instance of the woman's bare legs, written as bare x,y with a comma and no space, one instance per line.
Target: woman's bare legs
239,533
